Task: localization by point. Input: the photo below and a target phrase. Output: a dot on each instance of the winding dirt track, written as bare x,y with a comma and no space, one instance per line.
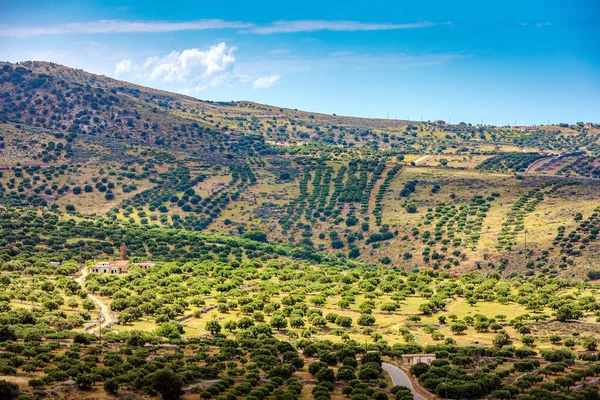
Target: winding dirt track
107,318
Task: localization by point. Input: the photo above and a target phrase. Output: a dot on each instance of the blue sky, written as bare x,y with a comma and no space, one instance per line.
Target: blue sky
495,61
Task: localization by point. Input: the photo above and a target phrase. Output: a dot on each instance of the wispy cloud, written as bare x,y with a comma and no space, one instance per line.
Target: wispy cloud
324,25
265,81
537,25
280,51
341,53
121,26
115,26
398,60
377,63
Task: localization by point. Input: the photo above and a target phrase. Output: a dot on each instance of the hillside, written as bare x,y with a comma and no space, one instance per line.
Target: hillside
153,245
391,193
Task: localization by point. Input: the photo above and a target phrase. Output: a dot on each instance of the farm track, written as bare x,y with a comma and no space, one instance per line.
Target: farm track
422,159
107,318
537,163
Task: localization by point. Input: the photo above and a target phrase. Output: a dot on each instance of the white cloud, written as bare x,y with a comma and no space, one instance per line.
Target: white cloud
123,67
189,71
190,64
121,26
323,25
265,81
115,26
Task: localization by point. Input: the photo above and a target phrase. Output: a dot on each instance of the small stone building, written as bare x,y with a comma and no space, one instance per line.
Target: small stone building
102,267
146,265
111,267
412,359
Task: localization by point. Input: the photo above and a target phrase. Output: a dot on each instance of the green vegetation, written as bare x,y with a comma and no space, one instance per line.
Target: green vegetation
292,253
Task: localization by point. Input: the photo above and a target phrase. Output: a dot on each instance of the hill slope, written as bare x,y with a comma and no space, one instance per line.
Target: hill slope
394,193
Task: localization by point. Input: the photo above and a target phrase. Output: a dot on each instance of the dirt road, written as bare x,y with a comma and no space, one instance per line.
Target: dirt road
420,160
104,310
